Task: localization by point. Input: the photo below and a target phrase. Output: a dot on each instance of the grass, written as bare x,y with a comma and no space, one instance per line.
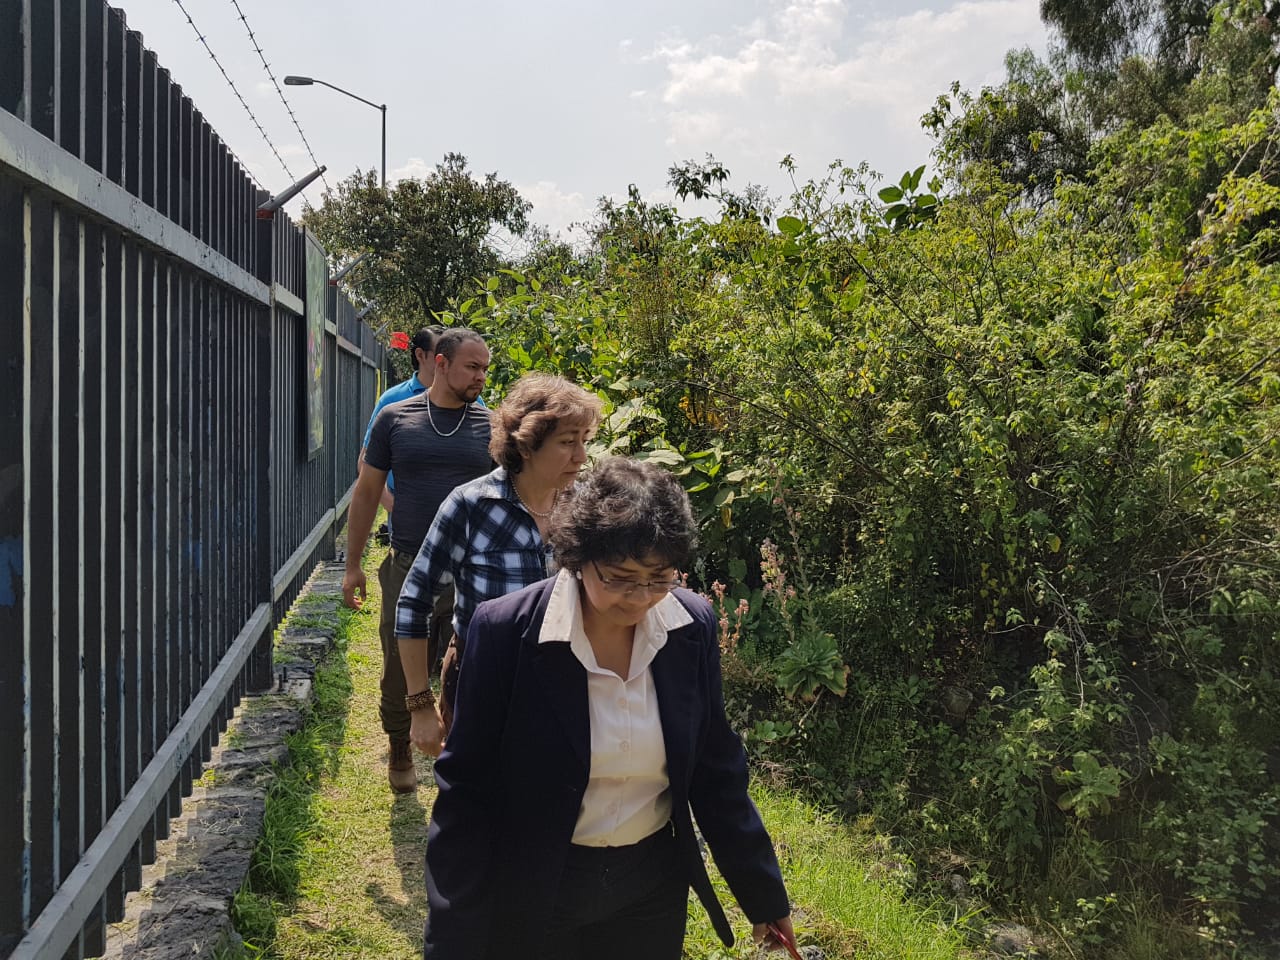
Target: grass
844,885
338,871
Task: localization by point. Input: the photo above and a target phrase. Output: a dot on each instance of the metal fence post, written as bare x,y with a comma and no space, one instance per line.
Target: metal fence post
260,667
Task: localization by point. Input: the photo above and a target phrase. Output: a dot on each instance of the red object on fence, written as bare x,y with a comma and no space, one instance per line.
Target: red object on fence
399,340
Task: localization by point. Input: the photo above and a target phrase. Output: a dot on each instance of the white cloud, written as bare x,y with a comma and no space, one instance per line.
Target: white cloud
916,56
697,126
556,208
711,74
415,168
804,74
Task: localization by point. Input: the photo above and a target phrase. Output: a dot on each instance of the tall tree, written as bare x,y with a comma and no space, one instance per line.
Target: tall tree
425,239
1028,127
1136,59
1104,33
1113,64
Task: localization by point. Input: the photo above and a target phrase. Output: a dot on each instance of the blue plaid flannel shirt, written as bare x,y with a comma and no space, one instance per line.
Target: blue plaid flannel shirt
484,543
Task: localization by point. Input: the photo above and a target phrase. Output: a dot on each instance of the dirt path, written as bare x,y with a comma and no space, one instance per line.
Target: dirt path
361,891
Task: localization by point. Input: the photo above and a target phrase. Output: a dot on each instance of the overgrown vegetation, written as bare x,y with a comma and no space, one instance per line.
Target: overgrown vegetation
986,463
985,458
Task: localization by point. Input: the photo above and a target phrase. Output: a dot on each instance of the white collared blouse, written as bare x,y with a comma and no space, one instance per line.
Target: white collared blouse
628,796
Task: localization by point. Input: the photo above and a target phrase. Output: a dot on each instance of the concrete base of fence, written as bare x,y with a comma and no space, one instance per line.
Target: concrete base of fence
183,908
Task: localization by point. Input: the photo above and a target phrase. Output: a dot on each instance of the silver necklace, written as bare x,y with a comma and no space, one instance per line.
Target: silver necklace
461,420
537,513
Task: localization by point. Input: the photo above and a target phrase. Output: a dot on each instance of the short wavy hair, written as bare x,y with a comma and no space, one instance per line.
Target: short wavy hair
424,340
452,338
621,510
536,407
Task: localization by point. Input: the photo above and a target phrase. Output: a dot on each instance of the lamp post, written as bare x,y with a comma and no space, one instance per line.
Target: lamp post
292,81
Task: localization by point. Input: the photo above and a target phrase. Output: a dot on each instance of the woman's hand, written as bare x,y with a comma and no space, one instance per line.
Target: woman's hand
426,731
760,933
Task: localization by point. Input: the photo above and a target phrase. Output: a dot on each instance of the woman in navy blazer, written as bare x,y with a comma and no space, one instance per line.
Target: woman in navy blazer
550,836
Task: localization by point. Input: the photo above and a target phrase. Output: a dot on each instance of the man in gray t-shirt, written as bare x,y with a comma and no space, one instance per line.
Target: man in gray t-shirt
431,449
433,442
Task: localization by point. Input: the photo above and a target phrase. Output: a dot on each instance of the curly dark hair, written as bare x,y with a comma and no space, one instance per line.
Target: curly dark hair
533,409
620,510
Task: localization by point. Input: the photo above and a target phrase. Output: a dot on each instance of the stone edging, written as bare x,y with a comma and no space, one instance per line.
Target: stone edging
183,908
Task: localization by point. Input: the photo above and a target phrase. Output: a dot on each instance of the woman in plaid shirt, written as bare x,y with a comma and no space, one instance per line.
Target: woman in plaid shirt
487,538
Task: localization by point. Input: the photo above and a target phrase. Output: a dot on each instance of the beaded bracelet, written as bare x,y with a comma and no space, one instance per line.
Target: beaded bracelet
424,700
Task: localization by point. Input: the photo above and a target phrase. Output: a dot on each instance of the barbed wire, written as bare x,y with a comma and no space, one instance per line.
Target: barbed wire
236,157
236,91
289,109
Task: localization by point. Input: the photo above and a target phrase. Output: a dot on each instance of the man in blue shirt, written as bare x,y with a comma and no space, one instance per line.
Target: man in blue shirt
422,354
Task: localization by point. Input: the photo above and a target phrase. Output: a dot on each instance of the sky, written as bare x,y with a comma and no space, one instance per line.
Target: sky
573,100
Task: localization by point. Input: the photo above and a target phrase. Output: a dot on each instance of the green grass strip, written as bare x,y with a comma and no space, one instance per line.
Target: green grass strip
293,813
842,883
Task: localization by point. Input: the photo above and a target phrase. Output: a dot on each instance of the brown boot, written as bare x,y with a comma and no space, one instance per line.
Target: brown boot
400,772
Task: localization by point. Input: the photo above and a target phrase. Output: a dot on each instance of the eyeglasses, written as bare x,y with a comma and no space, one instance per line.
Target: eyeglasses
628,588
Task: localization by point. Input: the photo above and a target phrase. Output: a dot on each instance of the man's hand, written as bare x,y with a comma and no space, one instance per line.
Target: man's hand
354,588
364,507
426,731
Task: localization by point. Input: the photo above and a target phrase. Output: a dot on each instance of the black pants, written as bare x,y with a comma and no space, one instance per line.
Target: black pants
621,903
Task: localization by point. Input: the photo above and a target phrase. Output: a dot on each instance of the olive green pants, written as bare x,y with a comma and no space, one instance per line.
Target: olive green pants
391,575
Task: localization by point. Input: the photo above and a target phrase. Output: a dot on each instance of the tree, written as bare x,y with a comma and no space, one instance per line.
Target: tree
1026,455
426,239
1114,65
1104,33
1135,61
709,181
1028,127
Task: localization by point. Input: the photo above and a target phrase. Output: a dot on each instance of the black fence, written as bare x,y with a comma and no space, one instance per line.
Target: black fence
159,507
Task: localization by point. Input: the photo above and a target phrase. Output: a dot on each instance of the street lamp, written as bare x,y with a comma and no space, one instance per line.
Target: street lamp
292,81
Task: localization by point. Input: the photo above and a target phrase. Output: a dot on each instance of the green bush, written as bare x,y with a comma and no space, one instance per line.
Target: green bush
1020,461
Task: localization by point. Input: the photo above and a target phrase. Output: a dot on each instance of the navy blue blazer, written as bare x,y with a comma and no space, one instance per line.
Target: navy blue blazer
514,770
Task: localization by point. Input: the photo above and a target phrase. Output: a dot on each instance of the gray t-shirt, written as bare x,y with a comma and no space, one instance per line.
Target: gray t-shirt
428,461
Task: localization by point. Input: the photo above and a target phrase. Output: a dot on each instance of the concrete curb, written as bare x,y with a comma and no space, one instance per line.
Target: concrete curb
183,908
